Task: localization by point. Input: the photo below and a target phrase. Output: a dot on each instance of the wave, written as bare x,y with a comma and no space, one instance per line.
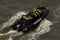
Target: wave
44,27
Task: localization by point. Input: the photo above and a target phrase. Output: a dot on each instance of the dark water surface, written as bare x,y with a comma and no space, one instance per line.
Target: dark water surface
9,7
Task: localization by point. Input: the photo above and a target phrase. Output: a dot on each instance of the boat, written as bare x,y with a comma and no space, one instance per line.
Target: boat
30,20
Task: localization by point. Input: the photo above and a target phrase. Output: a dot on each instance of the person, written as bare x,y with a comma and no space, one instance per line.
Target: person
32,14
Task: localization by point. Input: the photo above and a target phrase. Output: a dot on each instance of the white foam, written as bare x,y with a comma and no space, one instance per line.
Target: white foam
43,27
12,20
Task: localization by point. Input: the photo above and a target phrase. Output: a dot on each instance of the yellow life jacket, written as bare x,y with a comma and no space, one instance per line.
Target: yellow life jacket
36,12
27,18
